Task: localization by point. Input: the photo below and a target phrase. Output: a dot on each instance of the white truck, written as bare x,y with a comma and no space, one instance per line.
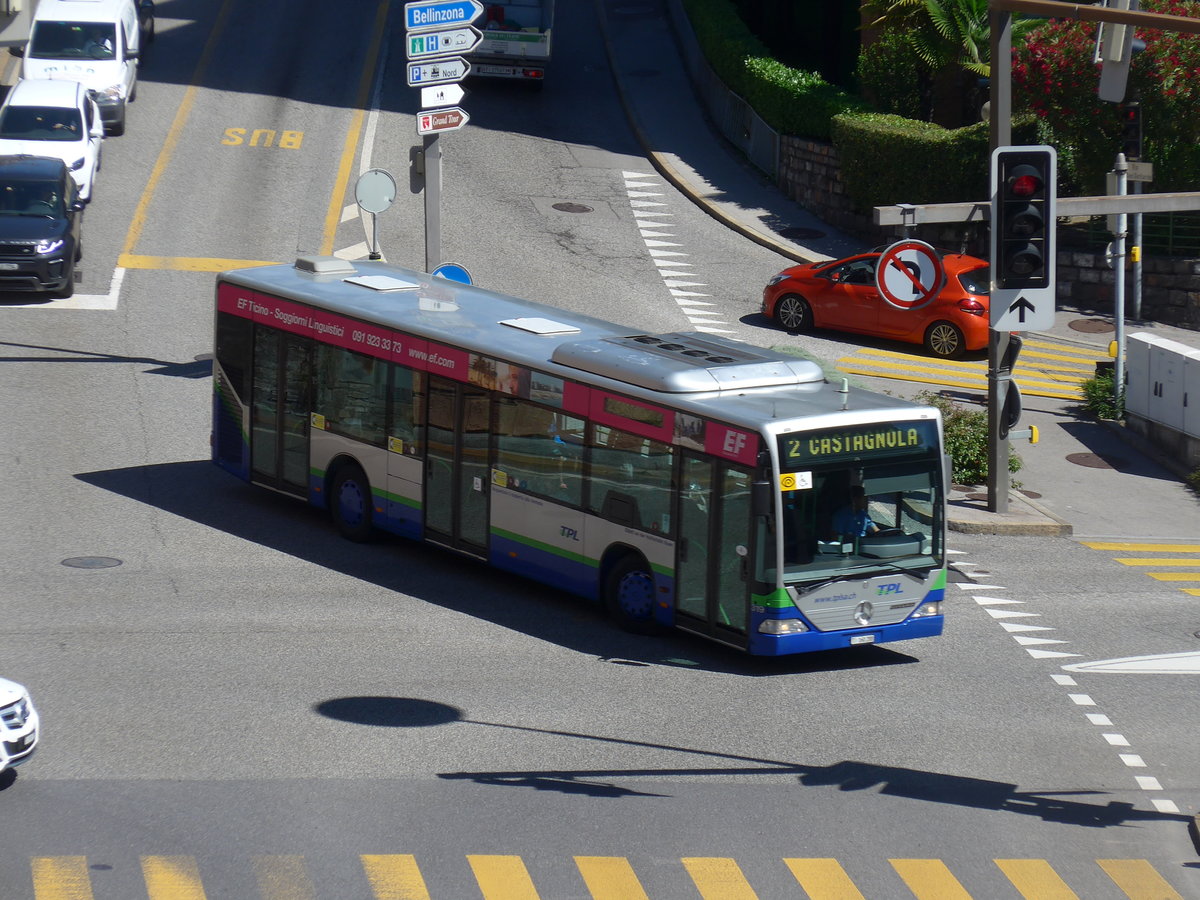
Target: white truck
516,40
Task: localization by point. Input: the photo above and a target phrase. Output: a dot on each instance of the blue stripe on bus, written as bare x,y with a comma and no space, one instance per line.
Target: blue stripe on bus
573,572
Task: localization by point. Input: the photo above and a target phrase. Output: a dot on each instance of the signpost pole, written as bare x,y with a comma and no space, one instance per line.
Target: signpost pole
1122,169
1000,121
433,202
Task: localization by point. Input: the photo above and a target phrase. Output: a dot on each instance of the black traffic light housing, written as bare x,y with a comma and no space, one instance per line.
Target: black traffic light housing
1131,130
1023,228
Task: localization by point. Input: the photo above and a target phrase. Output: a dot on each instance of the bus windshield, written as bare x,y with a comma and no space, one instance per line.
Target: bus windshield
874,503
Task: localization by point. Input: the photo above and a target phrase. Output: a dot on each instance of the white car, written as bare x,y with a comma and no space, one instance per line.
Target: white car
53,117
18,725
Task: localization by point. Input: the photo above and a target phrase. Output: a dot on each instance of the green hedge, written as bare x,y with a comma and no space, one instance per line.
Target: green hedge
789,100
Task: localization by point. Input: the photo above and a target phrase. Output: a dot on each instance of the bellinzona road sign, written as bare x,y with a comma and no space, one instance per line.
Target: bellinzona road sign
910,274
440,14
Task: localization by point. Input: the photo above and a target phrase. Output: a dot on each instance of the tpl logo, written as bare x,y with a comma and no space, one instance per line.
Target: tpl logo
894,588
569,533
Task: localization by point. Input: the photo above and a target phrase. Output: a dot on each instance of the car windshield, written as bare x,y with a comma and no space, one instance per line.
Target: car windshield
977,281
31,198
40,123
72,40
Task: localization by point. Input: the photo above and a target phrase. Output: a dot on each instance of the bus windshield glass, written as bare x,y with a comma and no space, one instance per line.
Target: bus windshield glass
865,497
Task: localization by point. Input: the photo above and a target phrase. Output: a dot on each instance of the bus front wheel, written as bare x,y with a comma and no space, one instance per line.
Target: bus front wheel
629,595
350,504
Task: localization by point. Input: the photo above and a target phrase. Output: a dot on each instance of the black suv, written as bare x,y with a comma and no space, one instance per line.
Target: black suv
40,216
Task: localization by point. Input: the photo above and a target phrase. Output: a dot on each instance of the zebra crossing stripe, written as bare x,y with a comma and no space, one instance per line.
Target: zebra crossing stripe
61,878
394,876
1138,879
172,878
610,878
1035,880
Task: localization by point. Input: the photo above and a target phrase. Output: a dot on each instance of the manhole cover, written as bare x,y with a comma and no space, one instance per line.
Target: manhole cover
800,234
571,207
91,562
1032,495
1092,326
1092,461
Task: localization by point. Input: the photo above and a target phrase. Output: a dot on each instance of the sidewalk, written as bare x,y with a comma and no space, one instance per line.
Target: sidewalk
1083,477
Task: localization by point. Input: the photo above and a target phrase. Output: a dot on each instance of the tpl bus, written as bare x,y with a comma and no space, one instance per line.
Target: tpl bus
681,479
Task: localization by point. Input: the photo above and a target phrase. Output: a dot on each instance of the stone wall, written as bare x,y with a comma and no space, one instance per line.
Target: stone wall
810,174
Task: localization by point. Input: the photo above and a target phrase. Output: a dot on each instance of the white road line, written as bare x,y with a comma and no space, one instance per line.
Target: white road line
82,301
1187,663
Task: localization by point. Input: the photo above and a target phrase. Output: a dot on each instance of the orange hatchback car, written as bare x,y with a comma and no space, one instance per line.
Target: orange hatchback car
841,295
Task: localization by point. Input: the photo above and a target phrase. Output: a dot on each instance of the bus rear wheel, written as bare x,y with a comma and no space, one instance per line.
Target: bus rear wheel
350,504
629,595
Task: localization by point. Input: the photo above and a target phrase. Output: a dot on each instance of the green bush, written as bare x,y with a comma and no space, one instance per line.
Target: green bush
890,74
966,433
1099,398
789,100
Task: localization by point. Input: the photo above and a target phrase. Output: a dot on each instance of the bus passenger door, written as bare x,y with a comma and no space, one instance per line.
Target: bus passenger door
712,583
280,414
456,466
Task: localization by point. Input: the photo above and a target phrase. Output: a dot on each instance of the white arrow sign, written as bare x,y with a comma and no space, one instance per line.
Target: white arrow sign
438,43
455,68
441,95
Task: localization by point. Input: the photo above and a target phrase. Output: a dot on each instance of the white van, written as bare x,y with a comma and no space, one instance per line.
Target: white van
94,42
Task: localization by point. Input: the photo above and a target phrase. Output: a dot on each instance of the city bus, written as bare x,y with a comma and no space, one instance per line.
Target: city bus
683,480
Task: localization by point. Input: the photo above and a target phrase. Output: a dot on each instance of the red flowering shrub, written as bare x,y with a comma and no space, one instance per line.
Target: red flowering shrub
1054,76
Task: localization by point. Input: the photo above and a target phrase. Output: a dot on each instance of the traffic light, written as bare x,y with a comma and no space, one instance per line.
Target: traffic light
1131,130
1023,227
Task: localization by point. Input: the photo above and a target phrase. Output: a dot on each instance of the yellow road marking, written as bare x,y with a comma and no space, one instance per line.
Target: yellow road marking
1174,576
1138,880
172,878
929,879
394,876
1142,548
503,878
1157,561
282,878
1035,879
333,214
979,384
718,878
188,263
173,134
61,878
824,879
610,878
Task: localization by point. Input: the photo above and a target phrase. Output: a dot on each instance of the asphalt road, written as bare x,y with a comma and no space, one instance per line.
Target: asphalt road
243,706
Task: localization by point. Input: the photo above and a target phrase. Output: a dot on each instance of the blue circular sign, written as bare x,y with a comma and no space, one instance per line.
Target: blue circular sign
453,272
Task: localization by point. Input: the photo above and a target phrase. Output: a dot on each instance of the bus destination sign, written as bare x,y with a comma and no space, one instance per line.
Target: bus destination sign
883,439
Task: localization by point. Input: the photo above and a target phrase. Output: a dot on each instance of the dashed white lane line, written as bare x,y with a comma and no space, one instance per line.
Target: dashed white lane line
1173,662
673,266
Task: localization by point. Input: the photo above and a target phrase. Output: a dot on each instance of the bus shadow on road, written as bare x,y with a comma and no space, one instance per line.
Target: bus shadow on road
198,491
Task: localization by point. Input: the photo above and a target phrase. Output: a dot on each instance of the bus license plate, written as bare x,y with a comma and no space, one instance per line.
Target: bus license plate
9,267
862,639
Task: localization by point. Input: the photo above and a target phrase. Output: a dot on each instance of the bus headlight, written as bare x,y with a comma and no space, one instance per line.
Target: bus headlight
782,626
927,609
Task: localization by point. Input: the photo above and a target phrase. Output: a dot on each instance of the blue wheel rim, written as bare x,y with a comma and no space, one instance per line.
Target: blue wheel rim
351,503
635,595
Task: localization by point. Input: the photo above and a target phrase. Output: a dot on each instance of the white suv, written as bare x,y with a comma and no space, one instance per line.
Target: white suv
49,117
18,725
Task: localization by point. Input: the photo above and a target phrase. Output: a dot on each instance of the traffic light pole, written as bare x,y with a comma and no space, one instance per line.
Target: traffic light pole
998,378
1122,169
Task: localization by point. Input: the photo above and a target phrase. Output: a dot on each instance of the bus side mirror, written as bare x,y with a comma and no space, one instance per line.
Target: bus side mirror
761,498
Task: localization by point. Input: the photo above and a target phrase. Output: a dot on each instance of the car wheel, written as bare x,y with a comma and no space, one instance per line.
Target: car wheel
350,504
79,250
68,288
945,340
118,127
629,595
793,313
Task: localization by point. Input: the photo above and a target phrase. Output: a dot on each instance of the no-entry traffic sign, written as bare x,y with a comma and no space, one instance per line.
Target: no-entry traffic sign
910,274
